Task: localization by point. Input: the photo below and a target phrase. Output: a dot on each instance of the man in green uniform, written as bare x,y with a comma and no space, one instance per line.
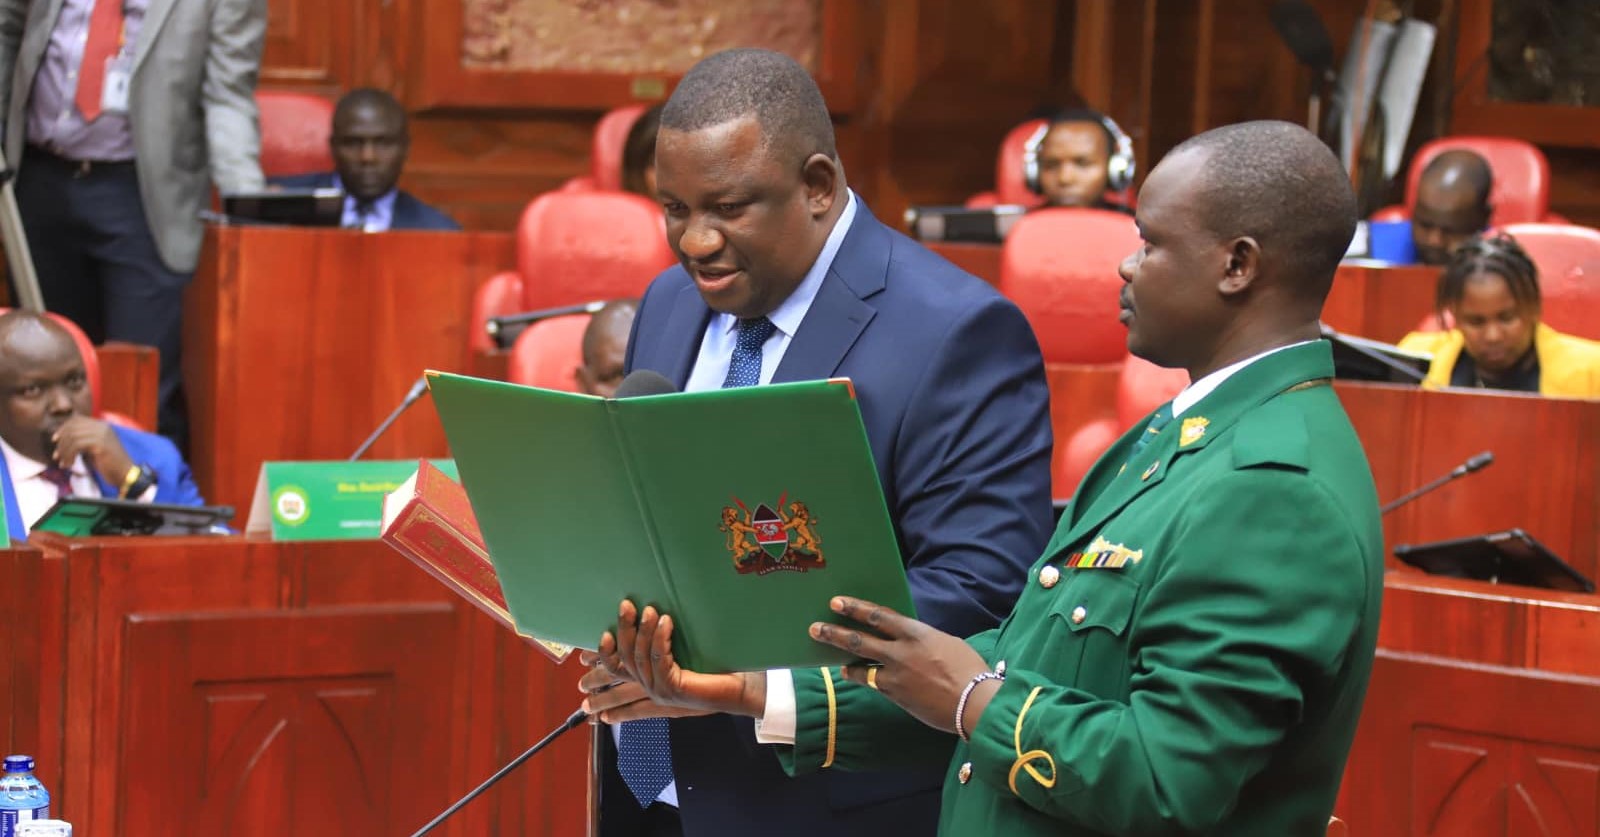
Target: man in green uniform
1191,651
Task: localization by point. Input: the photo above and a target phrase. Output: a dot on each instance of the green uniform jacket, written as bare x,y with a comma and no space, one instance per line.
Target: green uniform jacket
1207,676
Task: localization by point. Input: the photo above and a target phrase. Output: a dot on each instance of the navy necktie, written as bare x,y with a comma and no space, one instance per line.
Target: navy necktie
644,750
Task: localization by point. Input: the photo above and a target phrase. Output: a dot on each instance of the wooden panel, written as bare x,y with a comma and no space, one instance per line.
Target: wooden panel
301,342
1516,627
320,719
1381,303
1476,113
129,376
980,260
308,44
1462,749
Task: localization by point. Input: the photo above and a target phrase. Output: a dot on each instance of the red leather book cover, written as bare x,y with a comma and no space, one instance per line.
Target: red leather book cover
429,520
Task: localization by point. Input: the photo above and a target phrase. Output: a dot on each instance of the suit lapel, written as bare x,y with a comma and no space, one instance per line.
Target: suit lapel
154,16
685,328
839,313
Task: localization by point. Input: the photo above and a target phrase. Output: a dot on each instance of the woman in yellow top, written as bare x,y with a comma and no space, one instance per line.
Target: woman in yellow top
1491,289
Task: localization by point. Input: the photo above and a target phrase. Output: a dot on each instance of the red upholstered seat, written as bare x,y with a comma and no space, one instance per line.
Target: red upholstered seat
547,352
294,133
1060,267
1572,300
605,151
575,247
1521,190
1010,186
1556,249
1141,388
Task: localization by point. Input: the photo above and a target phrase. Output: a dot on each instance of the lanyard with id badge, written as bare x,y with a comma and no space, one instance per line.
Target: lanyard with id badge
119,77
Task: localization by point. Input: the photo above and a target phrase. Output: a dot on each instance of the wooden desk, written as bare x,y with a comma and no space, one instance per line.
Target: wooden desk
298,343
129,376
1544,479
1380,303
980,260
1481,716
244,687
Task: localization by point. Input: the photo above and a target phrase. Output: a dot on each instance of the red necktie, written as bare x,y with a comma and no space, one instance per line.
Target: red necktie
105,38
61,478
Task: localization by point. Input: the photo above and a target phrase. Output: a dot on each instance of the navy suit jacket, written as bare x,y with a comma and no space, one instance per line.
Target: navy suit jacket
174,483
951,388
409,213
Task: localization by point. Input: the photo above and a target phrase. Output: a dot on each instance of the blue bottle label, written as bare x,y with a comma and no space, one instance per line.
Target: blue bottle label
9,817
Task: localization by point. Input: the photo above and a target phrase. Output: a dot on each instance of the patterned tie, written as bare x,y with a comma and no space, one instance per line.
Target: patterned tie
644,751
1161,418
104,40
61,479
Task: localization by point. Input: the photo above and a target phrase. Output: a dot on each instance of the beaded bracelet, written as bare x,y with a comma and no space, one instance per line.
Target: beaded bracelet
999,673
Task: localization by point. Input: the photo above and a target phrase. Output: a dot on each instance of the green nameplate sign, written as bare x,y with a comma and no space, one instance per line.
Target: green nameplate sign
328,501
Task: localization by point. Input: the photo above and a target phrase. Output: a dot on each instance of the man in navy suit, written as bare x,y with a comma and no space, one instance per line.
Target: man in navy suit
370,139
51,444
778,257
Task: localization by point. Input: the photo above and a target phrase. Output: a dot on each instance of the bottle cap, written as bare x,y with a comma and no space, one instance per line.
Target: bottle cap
18,764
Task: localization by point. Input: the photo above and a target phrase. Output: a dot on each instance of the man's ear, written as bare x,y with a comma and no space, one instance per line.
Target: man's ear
822,178
1244,264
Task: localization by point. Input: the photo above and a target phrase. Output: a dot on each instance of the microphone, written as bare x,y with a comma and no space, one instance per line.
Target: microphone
574,720
418,389
639,382
1476,463
1303,32
504,330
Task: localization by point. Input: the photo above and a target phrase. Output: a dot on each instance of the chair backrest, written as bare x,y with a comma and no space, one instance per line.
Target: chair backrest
295,128
610,139
577,247
1572,301
1060,267
1556,249
1144,386
547,352
1521,190
1009,184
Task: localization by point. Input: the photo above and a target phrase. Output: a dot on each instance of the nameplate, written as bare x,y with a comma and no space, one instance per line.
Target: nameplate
328,501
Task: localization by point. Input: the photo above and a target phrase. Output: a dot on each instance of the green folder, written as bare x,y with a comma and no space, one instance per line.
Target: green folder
740,512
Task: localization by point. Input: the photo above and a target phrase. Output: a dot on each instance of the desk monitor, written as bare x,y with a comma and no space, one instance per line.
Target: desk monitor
286,207
1360,359
1509,557
958,223
84,516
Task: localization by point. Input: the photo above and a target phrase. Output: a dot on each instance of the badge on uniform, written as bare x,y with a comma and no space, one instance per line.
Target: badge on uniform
1103,554
1193,430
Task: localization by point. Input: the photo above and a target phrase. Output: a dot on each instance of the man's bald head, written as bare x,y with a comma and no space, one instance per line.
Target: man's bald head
1276,183
25,335
1452,204
605,347
43,381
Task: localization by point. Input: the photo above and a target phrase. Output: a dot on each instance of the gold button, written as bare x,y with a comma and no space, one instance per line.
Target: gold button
1079,614
1048,577
965,773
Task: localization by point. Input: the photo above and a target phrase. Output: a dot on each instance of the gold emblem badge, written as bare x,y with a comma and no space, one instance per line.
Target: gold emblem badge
1150,470
1192,431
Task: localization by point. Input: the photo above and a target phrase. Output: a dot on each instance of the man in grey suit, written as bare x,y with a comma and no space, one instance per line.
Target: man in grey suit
117,114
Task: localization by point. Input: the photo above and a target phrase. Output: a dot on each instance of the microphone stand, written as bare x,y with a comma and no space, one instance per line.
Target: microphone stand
1480,461
574,720
418,389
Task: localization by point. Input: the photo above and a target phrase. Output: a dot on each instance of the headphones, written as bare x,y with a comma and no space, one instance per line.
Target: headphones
1120,167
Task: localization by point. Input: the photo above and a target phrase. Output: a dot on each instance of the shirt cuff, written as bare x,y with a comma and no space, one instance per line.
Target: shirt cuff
777,721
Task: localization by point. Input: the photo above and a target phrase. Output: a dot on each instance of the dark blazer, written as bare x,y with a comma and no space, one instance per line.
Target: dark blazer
409,213
174,484
952,392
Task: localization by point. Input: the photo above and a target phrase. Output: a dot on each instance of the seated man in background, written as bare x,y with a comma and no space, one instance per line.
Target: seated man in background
639,154
54,448
605,348
1452,204
1081,156
370,140
1491,291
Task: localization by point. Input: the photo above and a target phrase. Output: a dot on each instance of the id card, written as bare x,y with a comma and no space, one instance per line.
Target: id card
119,78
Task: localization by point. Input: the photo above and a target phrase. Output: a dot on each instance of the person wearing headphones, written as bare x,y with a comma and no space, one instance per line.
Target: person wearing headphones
1490,290
1077,159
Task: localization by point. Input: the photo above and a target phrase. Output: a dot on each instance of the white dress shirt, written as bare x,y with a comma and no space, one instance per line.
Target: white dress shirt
777,722
35,494
711,368
379,216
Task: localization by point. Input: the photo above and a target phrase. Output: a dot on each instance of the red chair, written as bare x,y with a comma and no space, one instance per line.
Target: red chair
1060,267
295,128
575,247
1009,185
1141,388
547,353
91,370
1556,249
1521,189
605,151
1572,300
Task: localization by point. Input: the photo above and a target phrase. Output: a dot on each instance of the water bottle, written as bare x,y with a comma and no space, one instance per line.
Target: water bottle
22,797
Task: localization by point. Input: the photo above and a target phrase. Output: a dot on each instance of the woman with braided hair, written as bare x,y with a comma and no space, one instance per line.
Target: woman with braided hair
1490,291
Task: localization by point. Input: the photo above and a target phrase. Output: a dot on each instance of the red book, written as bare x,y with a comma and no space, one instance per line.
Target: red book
429,520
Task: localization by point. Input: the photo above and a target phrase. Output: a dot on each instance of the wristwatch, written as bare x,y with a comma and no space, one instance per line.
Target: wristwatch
137,482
